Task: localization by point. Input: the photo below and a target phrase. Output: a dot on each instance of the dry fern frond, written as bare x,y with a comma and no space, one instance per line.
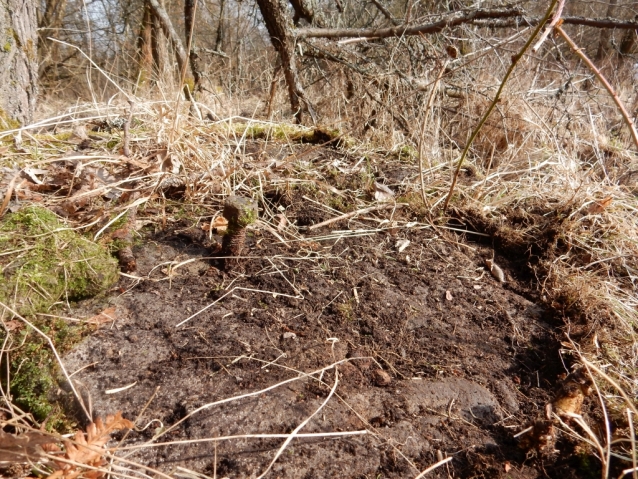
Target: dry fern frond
87,449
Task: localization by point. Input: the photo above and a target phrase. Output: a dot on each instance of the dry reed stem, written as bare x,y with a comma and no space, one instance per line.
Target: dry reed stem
421,146
352,214
302,424
247,395
433,467
310,435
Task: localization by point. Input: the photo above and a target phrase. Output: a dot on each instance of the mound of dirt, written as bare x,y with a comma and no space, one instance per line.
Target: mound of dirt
418,353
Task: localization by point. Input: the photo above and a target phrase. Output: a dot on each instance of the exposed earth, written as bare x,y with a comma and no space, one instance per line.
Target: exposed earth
436,357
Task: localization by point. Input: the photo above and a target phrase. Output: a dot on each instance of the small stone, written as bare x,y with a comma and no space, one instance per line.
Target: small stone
381,378
290,336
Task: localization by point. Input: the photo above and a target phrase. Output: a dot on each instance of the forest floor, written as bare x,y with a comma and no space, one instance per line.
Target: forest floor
374,346
435,356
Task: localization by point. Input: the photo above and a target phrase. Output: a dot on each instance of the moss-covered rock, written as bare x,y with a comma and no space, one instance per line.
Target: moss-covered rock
43,261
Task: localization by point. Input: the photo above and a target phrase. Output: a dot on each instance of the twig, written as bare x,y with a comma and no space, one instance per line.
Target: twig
345,216
127,128
510,70
602,79
552,24
434,466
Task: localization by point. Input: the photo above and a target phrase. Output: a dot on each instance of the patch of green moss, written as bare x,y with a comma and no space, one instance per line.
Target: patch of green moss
189,88
294,133
407,154
46,263
49,262
34,372
7,122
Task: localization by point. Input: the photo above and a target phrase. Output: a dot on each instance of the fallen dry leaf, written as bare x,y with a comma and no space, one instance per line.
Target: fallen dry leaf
13,324
598,207
382,193
220,224
106,316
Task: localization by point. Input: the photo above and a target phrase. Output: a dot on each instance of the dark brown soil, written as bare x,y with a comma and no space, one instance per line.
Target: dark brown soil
436,357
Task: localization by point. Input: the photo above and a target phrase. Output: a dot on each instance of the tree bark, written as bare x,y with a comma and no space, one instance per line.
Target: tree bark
302,10
605,35
281,36
169,31
189,9
145,46
18,62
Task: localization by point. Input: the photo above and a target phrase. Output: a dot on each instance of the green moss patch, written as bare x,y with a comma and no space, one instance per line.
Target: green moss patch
44,262
294,133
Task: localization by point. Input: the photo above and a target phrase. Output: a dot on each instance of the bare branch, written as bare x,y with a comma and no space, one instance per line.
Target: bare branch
385,11
508,18
446,21
603,80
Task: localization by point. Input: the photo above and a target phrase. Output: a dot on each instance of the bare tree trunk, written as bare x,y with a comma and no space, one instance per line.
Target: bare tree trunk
605,35
219,40
279,28
18,62
302,10
165,22
145,46
189,8
159,47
